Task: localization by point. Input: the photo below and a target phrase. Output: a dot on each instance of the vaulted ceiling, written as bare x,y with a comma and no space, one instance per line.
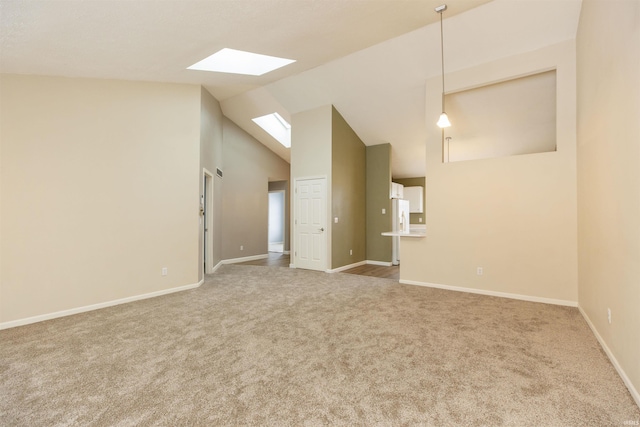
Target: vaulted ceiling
368,58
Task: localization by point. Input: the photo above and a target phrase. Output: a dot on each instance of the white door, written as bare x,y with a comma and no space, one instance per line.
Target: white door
310,224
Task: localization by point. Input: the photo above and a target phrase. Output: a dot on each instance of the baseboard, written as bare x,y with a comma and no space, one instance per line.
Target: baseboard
494,293
218,265
612,358
78,310
346,267
286,252
244,259
382,263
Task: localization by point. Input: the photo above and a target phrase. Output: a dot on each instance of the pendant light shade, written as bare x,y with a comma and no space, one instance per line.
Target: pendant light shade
443,122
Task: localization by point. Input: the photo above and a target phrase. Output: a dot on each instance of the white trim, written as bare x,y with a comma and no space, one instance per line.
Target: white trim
346,267
382,263
612,358
218,265
77,310
286,252
494,293
244,259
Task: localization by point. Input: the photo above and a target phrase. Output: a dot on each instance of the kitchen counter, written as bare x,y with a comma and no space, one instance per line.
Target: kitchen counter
414,232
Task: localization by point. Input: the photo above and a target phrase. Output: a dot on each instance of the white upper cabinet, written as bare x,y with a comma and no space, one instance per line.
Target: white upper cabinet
397,191
415,197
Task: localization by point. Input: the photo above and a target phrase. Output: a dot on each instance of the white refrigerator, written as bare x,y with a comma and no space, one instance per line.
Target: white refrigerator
400,223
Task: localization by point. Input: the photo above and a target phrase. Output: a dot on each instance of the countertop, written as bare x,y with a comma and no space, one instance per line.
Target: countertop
413,232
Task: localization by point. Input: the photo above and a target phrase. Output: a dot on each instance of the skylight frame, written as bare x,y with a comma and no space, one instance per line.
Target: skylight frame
276,126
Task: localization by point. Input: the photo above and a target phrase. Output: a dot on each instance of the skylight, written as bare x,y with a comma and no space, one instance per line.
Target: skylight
240,62
277,127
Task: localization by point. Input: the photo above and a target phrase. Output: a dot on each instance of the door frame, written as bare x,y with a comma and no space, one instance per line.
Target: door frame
294,231
207,223
284,222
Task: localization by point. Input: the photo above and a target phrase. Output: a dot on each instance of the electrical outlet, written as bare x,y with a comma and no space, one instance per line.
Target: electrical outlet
335,220
420,219
241,248
480,271
609,315
350,251
165,271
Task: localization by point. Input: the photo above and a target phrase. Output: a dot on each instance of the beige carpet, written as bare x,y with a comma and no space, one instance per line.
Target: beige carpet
274,346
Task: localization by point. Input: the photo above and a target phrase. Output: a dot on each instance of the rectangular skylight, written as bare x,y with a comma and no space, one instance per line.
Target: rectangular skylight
277,127
240,62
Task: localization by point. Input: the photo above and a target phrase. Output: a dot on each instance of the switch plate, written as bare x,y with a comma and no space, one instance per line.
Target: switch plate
335,220
480,271
350,251
241,248
609,315
165,271
384,211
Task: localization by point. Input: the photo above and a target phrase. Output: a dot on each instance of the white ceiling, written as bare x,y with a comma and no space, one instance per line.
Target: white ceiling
369,58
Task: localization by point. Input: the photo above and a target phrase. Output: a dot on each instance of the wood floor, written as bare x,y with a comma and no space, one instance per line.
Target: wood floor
281,260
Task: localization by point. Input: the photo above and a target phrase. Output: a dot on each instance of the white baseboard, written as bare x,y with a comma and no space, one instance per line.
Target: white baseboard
286,252
244,259
346,267
77,310
612,358
218,265
494,293
292,266
382,263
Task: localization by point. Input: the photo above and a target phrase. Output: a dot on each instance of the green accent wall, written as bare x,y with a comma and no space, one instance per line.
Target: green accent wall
413,182
378,190
348,194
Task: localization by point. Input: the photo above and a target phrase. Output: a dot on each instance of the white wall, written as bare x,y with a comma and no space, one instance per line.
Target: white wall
513,216
99,186
608,51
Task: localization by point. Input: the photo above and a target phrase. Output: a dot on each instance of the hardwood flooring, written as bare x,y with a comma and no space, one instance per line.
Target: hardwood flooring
276,259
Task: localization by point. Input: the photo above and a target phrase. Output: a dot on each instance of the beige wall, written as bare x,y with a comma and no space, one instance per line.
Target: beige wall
311,157
609,177
513,216
248,168
211,121
348,178
99,191
378,190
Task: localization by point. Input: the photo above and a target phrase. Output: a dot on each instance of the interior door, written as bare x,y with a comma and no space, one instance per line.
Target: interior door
310,224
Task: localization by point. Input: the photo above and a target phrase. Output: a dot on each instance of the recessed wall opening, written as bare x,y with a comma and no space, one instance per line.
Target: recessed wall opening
508,118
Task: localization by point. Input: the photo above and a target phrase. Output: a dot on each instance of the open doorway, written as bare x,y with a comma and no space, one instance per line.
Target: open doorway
276,231
206,209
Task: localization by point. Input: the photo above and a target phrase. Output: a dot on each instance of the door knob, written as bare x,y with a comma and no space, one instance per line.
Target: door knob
322,229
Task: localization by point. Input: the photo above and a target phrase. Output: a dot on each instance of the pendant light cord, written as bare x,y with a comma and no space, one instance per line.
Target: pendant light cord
442,57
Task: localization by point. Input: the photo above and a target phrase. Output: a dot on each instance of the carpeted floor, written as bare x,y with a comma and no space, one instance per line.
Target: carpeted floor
274,346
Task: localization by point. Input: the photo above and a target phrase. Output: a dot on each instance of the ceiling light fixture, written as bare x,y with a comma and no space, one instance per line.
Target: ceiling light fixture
240,62
443,122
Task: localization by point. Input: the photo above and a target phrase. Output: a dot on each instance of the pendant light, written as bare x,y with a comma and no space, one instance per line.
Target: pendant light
443,122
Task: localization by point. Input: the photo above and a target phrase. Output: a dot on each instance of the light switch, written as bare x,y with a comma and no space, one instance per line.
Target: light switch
384,211
335,220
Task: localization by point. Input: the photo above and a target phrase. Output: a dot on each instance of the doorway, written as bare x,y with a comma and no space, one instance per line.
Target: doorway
276,230
206,207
